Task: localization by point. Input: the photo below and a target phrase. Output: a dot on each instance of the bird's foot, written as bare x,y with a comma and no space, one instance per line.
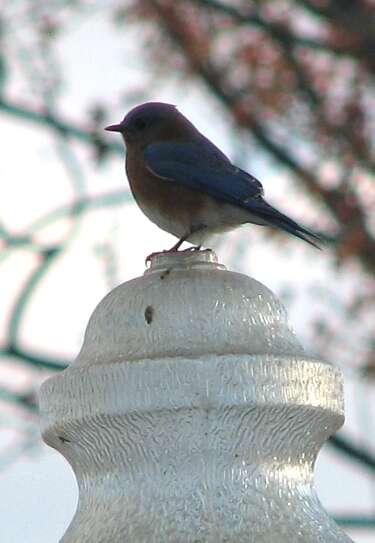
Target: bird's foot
192,249
173,250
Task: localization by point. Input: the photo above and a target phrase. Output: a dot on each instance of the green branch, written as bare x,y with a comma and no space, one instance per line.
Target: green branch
359,454
79,205
50,120
27,291
362,522
21,400
36,360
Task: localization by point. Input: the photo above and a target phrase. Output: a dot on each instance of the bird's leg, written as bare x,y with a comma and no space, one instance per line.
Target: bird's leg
192,231
173,249
176,247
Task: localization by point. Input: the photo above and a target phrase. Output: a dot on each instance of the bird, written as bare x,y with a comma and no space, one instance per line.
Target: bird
186,185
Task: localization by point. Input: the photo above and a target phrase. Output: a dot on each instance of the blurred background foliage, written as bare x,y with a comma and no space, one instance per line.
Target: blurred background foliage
294,81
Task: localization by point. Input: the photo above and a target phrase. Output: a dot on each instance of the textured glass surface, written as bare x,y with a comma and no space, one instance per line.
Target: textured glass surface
192,415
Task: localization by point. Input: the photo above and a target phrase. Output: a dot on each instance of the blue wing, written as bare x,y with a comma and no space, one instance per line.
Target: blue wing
202,166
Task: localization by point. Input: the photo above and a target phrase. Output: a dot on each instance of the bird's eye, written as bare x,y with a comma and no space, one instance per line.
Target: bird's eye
140,124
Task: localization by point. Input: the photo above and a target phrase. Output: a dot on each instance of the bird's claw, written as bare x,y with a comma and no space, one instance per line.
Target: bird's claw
191,249
172,251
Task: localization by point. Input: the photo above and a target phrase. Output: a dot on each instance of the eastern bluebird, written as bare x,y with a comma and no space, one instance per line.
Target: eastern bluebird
186,185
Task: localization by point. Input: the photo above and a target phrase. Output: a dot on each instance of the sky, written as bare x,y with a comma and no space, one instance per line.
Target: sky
98,63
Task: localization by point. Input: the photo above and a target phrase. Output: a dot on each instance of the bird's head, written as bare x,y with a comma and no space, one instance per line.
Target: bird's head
149,122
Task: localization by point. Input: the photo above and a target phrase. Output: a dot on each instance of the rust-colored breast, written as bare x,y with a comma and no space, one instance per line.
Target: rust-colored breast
172,207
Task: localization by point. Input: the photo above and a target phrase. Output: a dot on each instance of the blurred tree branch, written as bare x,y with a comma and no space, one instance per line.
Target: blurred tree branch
358,454
201,60
67,129
284,34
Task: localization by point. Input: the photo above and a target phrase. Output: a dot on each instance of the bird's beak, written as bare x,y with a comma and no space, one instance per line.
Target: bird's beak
115,128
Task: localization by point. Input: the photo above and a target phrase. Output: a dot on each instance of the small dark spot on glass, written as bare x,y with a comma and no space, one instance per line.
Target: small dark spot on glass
149,313
165,274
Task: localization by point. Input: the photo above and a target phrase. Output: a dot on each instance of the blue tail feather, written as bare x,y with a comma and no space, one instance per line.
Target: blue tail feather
275,218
